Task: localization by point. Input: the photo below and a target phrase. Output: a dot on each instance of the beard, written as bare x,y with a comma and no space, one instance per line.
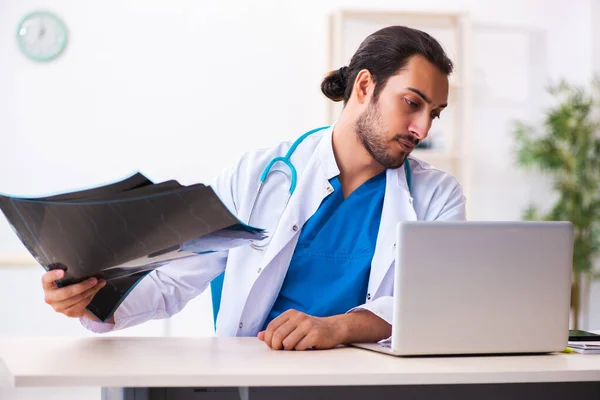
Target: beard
372,133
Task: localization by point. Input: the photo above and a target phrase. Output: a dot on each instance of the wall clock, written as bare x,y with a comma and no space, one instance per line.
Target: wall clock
42,36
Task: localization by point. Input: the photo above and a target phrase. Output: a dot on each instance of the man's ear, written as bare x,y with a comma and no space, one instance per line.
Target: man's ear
363,86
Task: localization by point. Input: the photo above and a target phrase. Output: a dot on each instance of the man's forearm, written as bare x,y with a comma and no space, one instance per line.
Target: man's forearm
362,327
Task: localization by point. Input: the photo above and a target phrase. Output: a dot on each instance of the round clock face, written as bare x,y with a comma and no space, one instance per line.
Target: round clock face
42,36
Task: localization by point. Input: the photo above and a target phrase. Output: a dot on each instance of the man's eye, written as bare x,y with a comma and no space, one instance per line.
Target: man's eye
434,116
411,104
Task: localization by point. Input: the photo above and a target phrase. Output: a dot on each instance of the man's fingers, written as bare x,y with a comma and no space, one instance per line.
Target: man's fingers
89,293
306,342
53,296
49,277
292,339
276,342
273,326
78,310
70,300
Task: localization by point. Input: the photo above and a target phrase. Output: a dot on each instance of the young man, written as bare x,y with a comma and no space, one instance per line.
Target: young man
325,277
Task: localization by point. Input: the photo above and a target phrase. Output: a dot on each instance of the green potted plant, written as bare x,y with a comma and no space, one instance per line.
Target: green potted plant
567,149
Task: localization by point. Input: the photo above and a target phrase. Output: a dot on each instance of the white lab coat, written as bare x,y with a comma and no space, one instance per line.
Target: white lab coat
253,278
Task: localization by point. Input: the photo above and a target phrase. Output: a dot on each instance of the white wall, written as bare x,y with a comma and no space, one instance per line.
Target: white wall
594,305
595,17
180,89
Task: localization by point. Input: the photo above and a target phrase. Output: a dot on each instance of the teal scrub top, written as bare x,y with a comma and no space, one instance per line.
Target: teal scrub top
329,271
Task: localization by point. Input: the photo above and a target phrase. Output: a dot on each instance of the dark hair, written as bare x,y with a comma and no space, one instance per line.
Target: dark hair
384,53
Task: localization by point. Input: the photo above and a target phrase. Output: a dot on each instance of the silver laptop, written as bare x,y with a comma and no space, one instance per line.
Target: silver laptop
480,288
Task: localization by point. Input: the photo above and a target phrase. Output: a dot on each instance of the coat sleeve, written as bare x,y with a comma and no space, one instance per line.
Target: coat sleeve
453,208
166,290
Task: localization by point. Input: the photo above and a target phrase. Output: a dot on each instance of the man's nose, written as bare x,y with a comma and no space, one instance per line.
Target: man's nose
420,126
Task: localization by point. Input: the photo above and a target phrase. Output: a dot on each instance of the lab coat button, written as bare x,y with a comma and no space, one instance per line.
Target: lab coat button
295,228
368,296
241,325
329,189
258,272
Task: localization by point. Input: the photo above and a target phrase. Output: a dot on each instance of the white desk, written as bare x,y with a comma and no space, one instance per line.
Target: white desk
246,362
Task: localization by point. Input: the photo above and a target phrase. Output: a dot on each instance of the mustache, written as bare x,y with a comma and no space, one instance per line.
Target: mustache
408,137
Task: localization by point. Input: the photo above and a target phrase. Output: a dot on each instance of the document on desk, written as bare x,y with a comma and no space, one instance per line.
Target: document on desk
585,347
122,231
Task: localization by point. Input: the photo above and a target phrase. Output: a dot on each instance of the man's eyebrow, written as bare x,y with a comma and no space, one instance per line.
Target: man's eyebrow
422,95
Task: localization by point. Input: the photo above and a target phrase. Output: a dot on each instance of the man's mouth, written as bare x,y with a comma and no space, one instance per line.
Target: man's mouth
408,146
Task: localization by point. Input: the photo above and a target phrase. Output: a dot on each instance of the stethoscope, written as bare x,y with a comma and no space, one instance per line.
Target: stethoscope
294,175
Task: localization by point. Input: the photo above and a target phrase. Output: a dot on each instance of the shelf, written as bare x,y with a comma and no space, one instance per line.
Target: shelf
17,260
445,161
433,154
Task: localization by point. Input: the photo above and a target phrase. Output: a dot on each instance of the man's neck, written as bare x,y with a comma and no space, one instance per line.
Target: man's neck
355,163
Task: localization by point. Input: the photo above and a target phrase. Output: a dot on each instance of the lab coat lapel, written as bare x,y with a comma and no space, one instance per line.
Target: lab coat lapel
397,206
313,186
